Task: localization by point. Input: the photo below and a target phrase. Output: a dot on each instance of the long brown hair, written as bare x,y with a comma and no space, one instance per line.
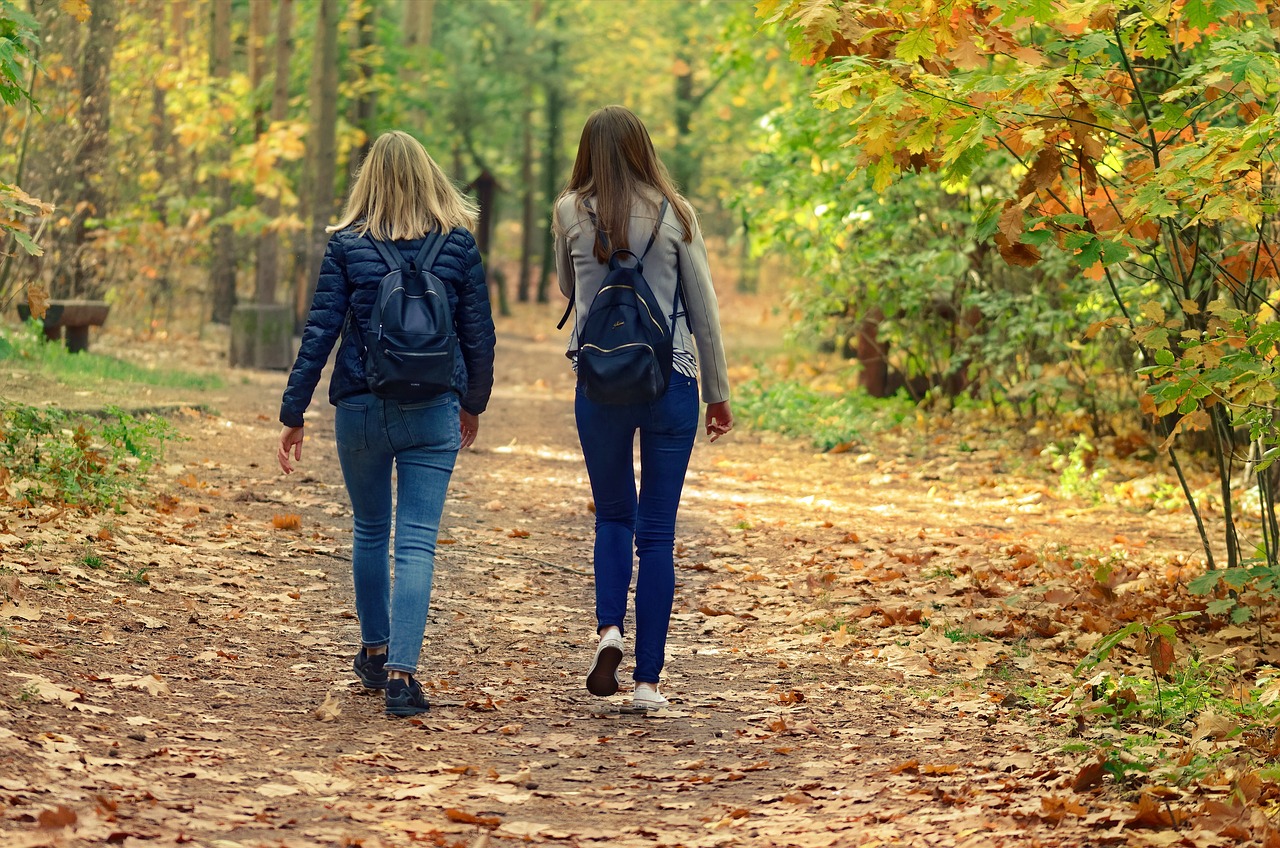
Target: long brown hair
401,193
615,158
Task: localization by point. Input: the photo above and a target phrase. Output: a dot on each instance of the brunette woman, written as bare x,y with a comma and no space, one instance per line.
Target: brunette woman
619,196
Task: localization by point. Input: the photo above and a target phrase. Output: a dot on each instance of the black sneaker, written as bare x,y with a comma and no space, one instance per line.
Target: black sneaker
372,670
405,698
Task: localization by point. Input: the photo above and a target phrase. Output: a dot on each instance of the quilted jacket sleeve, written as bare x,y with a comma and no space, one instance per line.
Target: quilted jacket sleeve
324,324
473,321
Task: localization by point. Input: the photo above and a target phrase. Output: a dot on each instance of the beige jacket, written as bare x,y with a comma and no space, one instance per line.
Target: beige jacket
700,356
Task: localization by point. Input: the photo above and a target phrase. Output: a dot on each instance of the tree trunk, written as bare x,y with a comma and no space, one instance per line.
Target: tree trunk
91,164
528,218
323,141
259,30
551,160
268,264
364,109
222,276
178,10
682,169
419,18
485,187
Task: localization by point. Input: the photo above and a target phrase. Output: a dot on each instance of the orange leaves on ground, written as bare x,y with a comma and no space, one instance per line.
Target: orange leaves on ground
463,817
57,818
1055,808
518,533
1089,776
286,521
1153,813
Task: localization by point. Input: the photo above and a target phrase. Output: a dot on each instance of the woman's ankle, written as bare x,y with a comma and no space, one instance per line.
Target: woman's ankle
381,650
398,675
610,630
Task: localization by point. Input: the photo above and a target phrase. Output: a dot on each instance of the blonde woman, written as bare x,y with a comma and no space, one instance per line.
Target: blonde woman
399,197
619,196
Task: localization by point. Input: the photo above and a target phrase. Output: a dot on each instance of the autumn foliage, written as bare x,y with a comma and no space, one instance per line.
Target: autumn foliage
1138,140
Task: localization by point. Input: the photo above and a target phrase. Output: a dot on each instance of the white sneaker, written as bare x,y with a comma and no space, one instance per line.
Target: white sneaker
602,679
647,697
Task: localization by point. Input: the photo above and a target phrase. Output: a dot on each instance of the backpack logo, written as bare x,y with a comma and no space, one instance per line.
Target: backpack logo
410,345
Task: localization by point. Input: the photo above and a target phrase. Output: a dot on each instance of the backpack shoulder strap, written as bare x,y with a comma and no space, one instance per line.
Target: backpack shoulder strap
604,242
425,260
393,262
568,309
662,213
680,301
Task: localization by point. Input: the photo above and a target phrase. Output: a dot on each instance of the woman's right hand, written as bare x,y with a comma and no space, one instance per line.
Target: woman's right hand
290,439
719,419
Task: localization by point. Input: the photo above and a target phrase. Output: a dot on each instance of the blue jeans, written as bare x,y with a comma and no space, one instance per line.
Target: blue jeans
667,429
421,439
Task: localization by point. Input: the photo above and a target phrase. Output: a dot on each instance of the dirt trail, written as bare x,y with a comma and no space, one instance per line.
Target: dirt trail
193,686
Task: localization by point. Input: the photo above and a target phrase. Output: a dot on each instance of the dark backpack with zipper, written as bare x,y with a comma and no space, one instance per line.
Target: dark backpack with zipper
624,351
410,347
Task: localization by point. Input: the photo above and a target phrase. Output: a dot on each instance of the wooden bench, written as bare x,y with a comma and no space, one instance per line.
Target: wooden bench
76,316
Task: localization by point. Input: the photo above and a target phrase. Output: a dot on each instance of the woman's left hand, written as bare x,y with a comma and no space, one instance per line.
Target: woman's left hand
290,439
470,424
719,419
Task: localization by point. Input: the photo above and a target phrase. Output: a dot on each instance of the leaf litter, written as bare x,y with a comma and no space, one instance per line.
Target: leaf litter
867,648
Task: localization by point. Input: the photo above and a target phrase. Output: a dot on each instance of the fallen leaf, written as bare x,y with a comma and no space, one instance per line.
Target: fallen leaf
467,818
59,817
330,709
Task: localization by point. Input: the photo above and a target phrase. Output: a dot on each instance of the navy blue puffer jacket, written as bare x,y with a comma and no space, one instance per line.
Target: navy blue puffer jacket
349,278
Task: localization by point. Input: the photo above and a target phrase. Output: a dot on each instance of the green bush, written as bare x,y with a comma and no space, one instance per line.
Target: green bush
825,419
49,455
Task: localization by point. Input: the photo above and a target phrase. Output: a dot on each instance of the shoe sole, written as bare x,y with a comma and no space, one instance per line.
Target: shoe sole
407,712
602,680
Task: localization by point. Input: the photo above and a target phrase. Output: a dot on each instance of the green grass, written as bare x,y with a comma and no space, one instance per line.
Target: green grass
27,348
960,635
825,419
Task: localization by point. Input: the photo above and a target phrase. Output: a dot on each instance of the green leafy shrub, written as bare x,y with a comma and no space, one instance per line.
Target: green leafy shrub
826,419
49,455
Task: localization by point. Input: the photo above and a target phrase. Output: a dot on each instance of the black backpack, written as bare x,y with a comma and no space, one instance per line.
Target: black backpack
410,348
624,350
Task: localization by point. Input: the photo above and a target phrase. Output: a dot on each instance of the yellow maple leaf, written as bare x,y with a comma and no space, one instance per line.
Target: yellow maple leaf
78,9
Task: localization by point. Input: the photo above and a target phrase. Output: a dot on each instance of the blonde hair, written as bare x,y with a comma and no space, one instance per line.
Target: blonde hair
615,158
401,193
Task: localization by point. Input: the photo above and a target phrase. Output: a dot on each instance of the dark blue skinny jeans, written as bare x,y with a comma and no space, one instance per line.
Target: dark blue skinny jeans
667,430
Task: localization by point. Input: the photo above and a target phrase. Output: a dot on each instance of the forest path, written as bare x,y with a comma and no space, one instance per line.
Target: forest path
194,685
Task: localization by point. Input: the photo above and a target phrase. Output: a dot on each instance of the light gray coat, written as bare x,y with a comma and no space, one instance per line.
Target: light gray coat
581,274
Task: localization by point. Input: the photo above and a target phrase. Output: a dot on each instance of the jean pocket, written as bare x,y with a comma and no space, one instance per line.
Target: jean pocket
433,424
350,425
676,412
